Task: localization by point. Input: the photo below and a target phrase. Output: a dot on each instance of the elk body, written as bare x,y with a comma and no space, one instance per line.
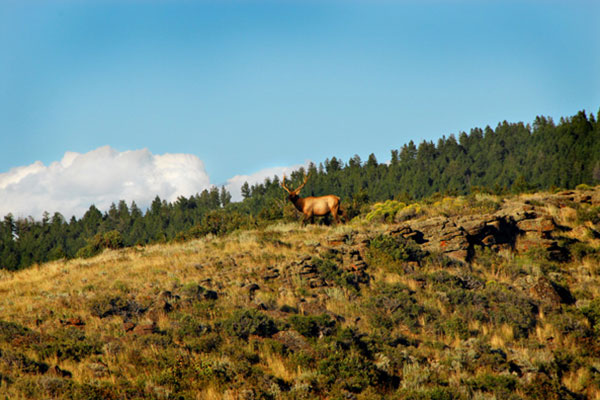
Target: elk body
314,206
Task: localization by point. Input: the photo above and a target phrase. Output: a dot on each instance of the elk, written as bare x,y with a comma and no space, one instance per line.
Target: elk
311,206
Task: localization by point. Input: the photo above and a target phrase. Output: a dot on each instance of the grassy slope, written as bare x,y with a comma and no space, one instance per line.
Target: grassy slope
138,323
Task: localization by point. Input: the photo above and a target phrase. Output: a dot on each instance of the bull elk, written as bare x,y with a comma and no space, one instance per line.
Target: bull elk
311,206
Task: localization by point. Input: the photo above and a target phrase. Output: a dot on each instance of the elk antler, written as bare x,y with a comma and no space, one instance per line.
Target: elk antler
303,183
283,185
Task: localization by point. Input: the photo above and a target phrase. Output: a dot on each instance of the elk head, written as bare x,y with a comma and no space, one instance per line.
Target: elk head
294,194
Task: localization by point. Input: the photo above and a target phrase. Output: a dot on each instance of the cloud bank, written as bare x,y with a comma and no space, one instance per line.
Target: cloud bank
234,185
99,177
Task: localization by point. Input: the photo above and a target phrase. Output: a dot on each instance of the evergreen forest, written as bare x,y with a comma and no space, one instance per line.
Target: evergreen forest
512,158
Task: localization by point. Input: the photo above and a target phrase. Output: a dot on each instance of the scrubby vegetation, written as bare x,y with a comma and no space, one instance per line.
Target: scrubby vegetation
454,280
355,311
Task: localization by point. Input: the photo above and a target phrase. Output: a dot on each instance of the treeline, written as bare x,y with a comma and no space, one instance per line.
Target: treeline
514,157
25,241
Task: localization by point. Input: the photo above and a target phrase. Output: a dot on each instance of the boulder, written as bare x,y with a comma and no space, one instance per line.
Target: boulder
544,291
541,225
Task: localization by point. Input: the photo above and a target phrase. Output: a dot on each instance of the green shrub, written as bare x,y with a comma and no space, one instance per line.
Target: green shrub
220,222
580,250
543,387
45,387
349,371
455,326
358,205
68,343
206,343
246,322
313,325
508,306
11,330
194,292
189,326
328,269
351,339
571,322
435,393
592,313
588,213
391,252
50,387
394,304
109,240
501,385
19,362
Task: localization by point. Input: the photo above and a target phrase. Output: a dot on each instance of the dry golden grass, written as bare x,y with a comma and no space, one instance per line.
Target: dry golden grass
42,296
503,337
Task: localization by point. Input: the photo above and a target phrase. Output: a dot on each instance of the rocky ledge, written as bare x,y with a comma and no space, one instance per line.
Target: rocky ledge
518,225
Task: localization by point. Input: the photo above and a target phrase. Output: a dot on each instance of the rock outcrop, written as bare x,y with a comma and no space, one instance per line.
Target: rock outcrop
518,225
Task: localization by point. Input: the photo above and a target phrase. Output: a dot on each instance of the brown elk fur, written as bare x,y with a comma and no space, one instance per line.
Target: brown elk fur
314,206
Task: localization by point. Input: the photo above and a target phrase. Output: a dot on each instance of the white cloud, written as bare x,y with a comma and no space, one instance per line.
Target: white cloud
99,177
234,185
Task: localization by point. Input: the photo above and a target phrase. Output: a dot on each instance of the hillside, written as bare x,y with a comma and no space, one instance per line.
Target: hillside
513,158
478,296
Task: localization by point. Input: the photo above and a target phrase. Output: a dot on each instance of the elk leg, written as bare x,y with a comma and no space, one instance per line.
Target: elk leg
335,217
334,214
307,217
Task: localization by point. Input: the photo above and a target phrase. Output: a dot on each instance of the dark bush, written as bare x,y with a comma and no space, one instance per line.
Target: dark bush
543,387
443,279
455,326
45,387
313,325
349,371
435,393
391,251
585,214
189,326
17,361
109,240
506,305
394,304
220,222
11,330
328,269
581,250
498,304
244,323
107,305
570,322
501,385
592,313
68,343
195,292
206,343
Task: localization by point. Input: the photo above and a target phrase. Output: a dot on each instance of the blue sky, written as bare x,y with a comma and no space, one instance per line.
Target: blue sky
250,85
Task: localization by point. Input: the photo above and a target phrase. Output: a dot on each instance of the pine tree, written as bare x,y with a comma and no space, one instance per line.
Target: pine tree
246,190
